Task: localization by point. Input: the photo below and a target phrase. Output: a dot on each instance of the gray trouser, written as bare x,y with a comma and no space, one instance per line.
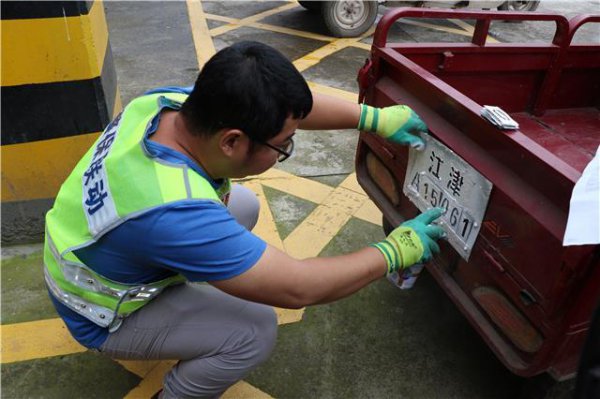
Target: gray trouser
216,337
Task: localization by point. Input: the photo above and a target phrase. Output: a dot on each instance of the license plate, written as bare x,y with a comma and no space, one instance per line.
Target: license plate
437,177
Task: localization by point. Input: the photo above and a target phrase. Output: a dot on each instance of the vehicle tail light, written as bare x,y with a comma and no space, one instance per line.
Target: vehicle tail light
383,178
509,319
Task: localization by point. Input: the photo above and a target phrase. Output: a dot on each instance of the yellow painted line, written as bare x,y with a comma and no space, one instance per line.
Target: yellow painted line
254,18
265,226
294,32
316,56
434,27
152,382
362,45
221,18
53,49
48,161
287,316
37,340
323,223
470,29
139,367
369,213
200,33
332,91
300,187
244,390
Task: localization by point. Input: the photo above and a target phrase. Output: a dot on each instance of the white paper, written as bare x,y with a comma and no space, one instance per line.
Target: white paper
583,225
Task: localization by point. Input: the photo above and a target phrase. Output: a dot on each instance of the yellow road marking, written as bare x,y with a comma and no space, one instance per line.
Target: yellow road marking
434,27
221,18
315,232
152,381
37,340
200,34
289,31
246,21
316,56
362,45
244,390
332,91
139,367
300,187
269,27
265,226
468,28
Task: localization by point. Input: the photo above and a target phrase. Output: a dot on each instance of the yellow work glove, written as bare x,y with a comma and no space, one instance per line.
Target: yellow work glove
412,242
398,124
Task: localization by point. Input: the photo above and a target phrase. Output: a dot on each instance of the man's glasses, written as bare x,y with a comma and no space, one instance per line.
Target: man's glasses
284,151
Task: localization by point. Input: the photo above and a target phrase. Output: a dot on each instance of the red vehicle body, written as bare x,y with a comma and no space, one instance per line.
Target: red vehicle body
528,297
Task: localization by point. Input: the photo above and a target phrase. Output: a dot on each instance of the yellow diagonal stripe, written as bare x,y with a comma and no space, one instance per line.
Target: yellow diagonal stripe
300,187
202,41
315,232
265,226
37,340
152,382
246,21
470,29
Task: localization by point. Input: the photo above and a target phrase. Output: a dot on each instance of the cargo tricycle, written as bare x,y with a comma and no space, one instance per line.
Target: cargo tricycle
506,192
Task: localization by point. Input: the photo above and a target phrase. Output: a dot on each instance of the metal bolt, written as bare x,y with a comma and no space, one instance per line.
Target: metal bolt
102,316
90,281
465,248
83,305
475,224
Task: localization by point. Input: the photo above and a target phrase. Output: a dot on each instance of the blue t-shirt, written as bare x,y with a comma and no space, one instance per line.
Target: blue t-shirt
198,239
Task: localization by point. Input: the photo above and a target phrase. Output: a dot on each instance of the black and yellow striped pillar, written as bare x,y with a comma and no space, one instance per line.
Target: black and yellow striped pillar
59,90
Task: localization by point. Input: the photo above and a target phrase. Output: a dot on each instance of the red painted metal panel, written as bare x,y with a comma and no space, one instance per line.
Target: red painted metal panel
553,91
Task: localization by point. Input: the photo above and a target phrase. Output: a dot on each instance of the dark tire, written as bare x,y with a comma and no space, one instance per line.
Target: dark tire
312,6
349,18
519,6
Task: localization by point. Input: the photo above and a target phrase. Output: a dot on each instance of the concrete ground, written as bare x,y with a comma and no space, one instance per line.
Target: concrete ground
379,343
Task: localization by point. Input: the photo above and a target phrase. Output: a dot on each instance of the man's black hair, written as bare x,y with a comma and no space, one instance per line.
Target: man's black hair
248,86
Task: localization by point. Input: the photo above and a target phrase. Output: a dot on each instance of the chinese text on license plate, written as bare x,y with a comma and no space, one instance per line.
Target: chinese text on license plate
437,177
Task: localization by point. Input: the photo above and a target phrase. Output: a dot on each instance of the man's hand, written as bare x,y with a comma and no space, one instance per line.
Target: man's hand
412,242
398,123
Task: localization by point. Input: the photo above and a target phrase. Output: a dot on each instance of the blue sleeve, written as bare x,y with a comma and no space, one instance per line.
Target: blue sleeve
203,242
171,89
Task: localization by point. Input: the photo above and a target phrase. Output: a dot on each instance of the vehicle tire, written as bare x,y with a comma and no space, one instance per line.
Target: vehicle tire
519,6
312,6
349,18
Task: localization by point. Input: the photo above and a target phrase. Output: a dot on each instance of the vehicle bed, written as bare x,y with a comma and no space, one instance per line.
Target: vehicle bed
529,297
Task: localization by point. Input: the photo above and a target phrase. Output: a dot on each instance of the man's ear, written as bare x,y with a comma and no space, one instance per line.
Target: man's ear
231,141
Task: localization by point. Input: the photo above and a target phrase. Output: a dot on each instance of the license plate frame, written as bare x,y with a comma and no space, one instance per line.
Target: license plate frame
437,176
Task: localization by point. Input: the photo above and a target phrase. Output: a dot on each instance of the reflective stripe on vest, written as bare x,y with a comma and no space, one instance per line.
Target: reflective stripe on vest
115,180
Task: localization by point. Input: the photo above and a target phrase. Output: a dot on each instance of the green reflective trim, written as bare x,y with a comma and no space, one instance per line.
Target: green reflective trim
363,117
386,253
375,119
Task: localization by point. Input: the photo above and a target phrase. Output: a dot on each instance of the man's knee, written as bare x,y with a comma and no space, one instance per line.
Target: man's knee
244,206
263,331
